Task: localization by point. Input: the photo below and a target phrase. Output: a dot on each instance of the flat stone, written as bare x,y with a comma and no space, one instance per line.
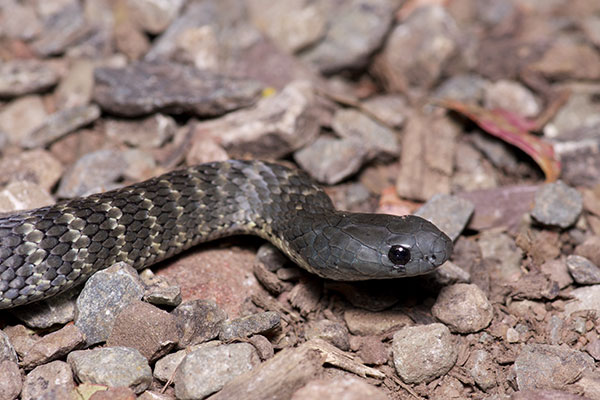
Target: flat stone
23,23
347,388
565,59
423,353
449,213
7,351
112,366
154,16
23,196
52,346
146,328
15,340
463,307
557,204
541,366
62,28
145,88
206,370
150,132
584,298
583,270
104,295
365,323
11,381
590,249
372,351
56,310
36,166
259,323
333,332
75,88
505,254
390,109
20,77
21,116
198,321
466,88
481,367
53,380
511,96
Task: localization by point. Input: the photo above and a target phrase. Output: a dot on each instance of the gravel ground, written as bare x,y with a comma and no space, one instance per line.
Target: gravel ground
482,116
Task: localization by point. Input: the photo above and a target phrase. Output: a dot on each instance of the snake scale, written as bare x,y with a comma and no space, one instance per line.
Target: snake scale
51,249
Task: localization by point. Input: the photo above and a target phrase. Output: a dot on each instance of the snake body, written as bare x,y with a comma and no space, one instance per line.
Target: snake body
51,249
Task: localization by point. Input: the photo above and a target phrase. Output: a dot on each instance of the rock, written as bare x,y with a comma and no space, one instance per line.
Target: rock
259,323
449,213
36,166
154,395
584,298
62,28
112,366
305,295
356,29
20,77
506,256
204,150
579,112
330,160
391,109
23,22
372,351
7,351
466,88
16,340
365,323
150,132
583,270
557,204
52,346
481,367
154,16
59,124
172,88
541,366
165,368
558,272
23,196
565,59
270,280
280,124
163,295
449,273
207,370
263,347
330,331
463,307
430,35
423,353
11,381
198,321
511,96
75,88
543,394
21,116
104,295
54,380
59,309
92,173
346,387
590,249
146,328
379,141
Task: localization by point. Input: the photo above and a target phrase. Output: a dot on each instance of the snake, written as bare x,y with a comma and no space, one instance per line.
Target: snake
48,250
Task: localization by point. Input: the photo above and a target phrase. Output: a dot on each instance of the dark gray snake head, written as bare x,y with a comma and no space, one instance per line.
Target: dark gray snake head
379,246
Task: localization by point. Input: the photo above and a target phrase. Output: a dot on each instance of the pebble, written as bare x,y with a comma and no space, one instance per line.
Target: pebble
430,34
449,213
112,366
23,196
59,124
449,273
204,150
584,298
206,370
146,328
281,124
372,351
365,323
114,393
150,132
391,109
557,204
7,351
481,367
16,338
116,286
504,253
171,88
463,307
565,58
75,88
550,366
423,353
57,310
511,96
164,369
53,380
590,249
379,141
270,280
466,88
583,270
330,331
356,29
198,321
343,387
36,166
263,347
53,346
21,116
330,160
62,28
154,395
558,272
163,296
20,77
259,323
94,172
11,381
154,16
579,111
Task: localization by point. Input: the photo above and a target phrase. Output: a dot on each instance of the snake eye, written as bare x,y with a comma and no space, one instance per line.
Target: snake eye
399,255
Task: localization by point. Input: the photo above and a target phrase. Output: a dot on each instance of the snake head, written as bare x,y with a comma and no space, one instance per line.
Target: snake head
379,246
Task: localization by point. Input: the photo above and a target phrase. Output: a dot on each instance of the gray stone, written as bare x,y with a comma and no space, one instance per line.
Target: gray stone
36,166
247,326
583,270
343,387
23,196
75,88
112,366
391,109
7,351
504,253
23,22
449,213
19,77
364,323
330,160
165,368
207,370
62,28
584,298
558,272
331,331
144,88
463,307
541,366
59,124
104,295
198,321
11,381
151,132
511,96
481,367
52,346
48,380
57,310
356,29
94,172
449,273
154,16
557,204
21,116
467,88
423,353
20,339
